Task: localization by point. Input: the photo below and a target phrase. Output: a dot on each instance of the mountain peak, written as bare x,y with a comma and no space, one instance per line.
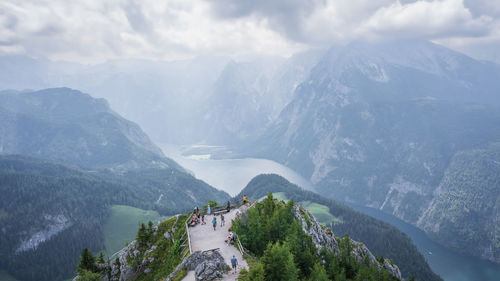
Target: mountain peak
420,55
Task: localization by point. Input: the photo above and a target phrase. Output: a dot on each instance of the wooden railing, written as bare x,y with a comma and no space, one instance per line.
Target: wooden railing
240,247
188,237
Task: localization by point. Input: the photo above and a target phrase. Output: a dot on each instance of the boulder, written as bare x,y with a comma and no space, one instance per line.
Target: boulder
208,265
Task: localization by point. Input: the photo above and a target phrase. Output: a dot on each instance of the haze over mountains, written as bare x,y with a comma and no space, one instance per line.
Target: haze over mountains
408,127
384,124
65,159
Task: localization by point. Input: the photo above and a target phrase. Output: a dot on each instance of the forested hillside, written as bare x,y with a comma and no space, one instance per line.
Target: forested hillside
466,211
278,234
378,124
49,212
381,238
71,126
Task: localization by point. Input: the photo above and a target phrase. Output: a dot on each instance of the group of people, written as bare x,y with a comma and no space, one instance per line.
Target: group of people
200,217
214,221
197,217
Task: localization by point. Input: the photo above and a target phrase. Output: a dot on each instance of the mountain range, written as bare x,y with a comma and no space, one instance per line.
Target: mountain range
205,99
385,125
407,127
65,159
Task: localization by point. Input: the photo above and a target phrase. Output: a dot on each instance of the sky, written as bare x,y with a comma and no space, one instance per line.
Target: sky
93,31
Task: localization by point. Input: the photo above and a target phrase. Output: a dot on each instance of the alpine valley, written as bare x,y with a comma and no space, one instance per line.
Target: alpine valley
408,127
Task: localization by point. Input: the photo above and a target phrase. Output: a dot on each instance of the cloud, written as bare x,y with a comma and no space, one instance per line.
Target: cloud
93,30
436,19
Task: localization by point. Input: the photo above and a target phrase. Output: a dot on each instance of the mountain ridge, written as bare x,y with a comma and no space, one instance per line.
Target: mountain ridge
382,135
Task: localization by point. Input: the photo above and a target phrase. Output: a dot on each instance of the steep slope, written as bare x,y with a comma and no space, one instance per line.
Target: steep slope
49,212
247,96
370,231
67,125
102,159
161,252
378,124
210,99
161,96
291,245
465,212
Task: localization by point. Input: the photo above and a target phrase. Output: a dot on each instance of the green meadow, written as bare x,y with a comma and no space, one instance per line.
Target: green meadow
122,224
320,212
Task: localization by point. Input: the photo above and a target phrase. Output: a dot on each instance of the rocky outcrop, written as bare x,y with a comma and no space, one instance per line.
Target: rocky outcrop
54,224
324,238
122,271
208,265
320,237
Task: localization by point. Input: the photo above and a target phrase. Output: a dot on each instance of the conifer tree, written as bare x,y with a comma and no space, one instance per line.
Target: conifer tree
256,273
150,231
118,265
87,262
318,273
100,259
278,263
142,236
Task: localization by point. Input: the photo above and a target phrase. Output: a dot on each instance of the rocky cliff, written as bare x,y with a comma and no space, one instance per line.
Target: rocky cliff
325,238
379,125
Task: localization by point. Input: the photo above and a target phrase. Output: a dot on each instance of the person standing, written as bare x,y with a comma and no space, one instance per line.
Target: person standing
222,222
228,206
244,199
214,222
209,211
202,218
234,262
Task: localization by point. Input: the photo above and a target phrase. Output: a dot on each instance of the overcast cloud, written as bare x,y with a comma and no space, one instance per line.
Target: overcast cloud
92,31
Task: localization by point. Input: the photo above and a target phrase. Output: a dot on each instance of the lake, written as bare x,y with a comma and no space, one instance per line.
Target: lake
449,265
232,175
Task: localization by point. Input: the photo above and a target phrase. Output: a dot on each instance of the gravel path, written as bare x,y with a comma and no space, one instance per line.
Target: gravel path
203,237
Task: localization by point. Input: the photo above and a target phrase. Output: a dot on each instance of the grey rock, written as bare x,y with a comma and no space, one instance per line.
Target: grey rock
393,269
320,237
208,265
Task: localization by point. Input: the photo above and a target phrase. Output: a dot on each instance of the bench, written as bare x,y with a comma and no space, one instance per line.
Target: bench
219,210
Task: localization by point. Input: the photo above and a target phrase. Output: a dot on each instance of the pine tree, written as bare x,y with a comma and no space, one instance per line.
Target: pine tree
269,205
150,231
118,265
278,263
318,273
256,273
100,259
86,275
142,236
87,262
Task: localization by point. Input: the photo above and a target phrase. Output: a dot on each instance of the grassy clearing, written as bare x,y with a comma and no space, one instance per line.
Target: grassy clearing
122,224
320,212
281,196
5,276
